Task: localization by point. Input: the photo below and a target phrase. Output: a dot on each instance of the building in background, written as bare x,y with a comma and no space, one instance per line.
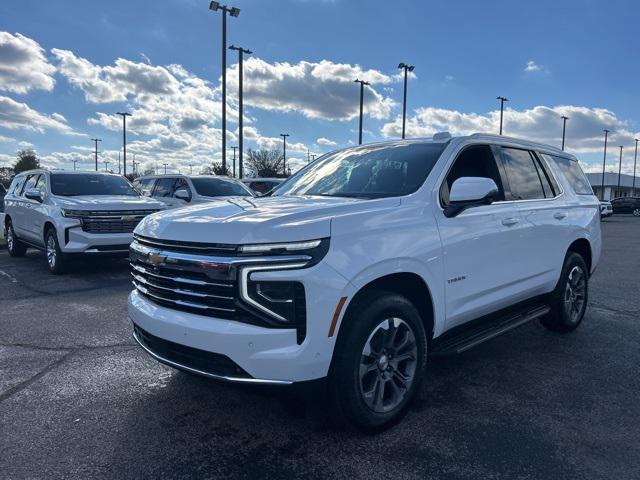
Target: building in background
611,185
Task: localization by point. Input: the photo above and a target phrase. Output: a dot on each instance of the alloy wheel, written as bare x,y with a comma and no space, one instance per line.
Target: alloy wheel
388,365
9,235
52,254
636,212
574,294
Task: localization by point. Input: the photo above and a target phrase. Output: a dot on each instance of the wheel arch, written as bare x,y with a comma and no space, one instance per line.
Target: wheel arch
582,247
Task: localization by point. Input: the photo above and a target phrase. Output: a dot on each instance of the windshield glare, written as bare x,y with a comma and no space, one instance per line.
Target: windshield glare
219,187
70,185
373,171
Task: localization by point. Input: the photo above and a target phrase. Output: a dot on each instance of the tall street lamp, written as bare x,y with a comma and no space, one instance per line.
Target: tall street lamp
564,129
284,152
241,52
74,164
362,84
106,165
165,167
604,159
502,100
124,140
407,68
619,172
234,160
96,140
635,160
234,12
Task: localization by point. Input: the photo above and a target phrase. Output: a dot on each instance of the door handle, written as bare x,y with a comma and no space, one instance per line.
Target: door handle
510,221
560,215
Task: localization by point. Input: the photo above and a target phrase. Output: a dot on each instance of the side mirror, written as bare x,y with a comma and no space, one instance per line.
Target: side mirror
182,194
467,192
33,194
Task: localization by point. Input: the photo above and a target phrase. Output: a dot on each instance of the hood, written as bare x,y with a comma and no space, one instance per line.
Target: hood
108,202
256,220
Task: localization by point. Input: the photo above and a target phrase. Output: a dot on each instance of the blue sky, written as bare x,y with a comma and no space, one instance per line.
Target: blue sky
67,66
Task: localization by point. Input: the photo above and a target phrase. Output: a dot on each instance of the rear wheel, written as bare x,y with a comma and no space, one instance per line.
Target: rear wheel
56,260
636,212
379,361
569,300
16,247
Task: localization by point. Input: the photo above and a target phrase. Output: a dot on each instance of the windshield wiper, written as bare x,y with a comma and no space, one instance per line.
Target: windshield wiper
342,195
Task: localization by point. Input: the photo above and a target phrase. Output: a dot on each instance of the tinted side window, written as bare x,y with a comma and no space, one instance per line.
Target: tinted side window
475,161
574,174
181,183
144,186
42,184
16,186
524,178
164,187
31,183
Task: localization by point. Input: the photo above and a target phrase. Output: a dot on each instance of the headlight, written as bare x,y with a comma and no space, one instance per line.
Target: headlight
72,213
266,248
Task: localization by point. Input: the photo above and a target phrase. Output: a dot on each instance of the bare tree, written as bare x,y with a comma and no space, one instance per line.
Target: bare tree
214,169
265,163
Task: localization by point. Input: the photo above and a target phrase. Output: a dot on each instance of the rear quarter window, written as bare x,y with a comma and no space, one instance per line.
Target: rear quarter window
573,173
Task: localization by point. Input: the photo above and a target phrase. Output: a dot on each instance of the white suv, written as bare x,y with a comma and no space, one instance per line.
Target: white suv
180,190
65,213
367,261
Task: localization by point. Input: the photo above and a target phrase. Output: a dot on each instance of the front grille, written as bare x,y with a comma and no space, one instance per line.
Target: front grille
191,291
112,221
201,360
221,249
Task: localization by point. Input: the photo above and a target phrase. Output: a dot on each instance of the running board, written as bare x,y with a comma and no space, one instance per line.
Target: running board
457,342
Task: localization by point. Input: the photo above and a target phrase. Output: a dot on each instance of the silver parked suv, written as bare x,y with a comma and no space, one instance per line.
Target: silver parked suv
68,212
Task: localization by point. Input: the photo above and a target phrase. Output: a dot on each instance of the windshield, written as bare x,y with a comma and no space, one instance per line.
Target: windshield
71,185
219,187
373,171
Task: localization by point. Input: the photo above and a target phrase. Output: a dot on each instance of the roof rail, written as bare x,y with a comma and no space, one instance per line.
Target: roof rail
520,140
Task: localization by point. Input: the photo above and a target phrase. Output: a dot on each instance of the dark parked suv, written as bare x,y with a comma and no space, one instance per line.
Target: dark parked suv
626,205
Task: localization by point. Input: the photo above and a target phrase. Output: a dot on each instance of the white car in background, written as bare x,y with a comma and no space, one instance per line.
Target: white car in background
262,185
606,209
180,190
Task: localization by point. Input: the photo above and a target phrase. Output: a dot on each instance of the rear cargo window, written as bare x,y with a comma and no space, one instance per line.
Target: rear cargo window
574,174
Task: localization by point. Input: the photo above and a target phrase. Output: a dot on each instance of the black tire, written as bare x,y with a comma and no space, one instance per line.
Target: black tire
56,260
362,327
566,314
636,212
16,247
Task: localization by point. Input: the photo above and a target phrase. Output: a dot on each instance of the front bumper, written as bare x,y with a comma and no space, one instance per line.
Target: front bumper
72,239
267,355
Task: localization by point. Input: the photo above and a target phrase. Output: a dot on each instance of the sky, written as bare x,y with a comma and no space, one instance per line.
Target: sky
67,66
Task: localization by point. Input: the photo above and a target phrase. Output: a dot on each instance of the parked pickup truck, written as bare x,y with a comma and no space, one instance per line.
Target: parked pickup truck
65,213
365,263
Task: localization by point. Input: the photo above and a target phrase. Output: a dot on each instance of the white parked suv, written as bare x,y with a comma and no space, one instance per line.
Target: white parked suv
366,262
65,213
180,190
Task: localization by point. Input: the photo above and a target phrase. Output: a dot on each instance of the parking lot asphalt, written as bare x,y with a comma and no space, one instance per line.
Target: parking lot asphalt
79,400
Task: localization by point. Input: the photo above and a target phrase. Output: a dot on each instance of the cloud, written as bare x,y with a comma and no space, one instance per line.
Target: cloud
6,139
325,141
532,67
23,65
540,123
15,115
322,90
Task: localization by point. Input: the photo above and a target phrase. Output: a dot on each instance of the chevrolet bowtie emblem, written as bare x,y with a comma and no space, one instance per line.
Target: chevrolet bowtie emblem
156,259
128,218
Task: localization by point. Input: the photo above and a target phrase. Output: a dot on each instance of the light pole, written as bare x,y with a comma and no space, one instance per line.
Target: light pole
241,52
564,129
76,161
604,160
407,68
106,165
362,84
284,152
190,169
124,140
234,160
234,12
165,167
619,172
96,140
119,167
635,159
502,100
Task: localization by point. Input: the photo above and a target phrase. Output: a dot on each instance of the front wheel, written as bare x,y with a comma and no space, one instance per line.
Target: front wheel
379,361
636,212
56,260
569,299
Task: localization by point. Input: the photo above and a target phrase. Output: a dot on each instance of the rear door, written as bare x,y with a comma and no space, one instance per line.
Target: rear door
21,217
545,214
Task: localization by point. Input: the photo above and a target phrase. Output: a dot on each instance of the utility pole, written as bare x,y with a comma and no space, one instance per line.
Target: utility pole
234,161
502,100
407,68
635,160
234,12
76,161
124,140
362,84
284,152
241,52
564,128
96,140
604,160
119,166
619,172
